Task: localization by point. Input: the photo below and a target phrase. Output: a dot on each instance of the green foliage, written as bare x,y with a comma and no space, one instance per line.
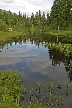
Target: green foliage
48,96
61,53
3,26
35,105
65,49
10,89
5,36
11,92
65,36
61,14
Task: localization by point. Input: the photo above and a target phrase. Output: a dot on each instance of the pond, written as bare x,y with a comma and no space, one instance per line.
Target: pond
36,61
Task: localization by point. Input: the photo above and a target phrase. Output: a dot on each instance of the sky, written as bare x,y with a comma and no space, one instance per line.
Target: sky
26,6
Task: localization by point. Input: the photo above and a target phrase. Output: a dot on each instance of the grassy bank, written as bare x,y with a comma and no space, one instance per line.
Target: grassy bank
8,34
60,33
10,89
5,35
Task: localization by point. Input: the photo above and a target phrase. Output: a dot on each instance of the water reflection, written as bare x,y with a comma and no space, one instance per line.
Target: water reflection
22,41
58,58
36,39
17,47
38,62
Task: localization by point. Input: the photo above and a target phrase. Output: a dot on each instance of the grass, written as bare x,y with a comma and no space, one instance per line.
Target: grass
60,33
5,35
10,89
8,34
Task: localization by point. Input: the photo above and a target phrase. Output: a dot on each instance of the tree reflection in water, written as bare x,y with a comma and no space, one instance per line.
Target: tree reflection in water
56,57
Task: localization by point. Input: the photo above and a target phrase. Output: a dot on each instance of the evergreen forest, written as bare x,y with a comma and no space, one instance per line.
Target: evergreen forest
60,15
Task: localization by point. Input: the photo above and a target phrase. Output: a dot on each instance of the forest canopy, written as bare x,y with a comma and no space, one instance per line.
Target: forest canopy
60,15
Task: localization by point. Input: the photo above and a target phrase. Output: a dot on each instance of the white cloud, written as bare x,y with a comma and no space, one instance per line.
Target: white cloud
26,6
7,1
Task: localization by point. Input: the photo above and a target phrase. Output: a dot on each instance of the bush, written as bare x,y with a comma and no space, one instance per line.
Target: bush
3,26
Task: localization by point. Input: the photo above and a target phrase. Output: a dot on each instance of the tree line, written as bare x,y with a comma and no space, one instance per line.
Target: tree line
60,15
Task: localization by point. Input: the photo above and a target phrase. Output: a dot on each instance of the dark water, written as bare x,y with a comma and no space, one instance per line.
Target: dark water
36,62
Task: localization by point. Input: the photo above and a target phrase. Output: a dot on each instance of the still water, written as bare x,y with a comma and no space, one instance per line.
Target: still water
35,61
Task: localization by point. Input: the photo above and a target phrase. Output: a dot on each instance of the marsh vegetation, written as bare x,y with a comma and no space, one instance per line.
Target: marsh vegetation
40,48
14,95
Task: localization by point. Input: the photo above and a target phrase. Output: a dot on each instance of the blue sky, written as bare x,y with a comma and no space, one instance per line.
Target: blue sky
26,6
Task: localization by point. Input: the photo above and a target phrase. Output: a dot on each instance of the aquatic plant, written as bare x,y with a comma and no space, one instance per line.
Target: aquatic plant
48,96
14,95
65,49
